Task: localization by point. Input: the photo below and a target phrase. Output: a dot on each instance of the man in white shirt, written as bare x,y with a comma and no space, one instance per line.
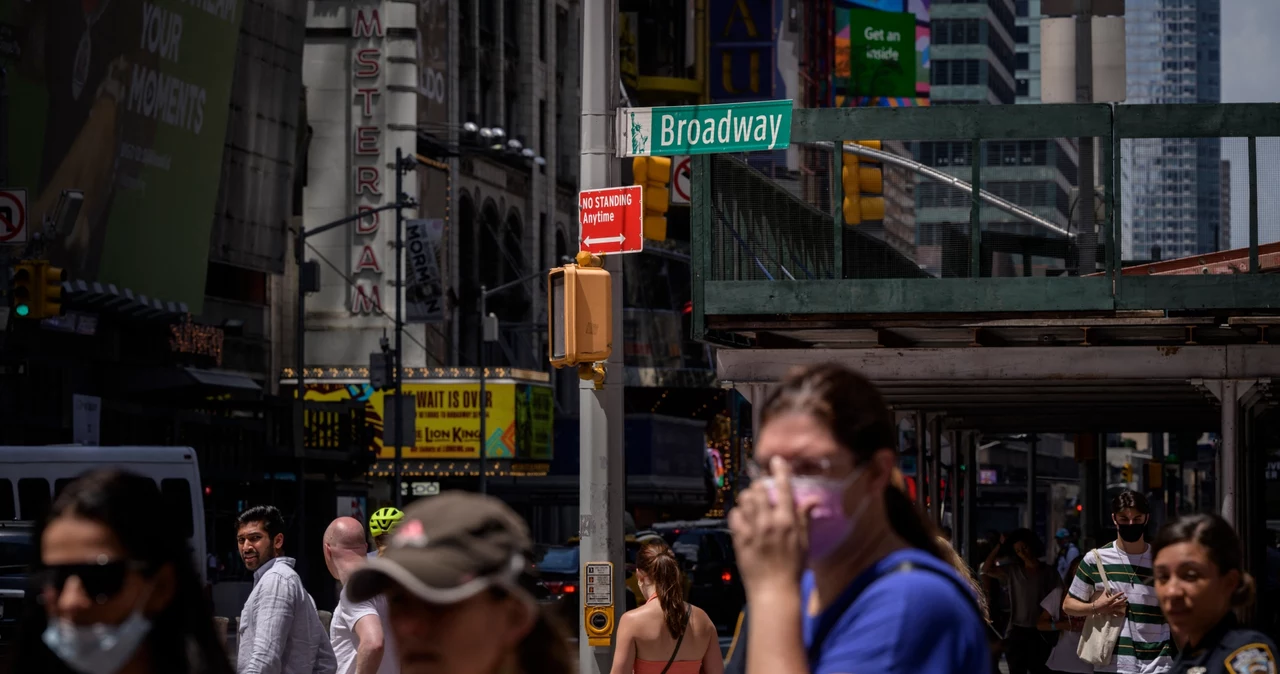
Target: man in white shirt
358,631
280,630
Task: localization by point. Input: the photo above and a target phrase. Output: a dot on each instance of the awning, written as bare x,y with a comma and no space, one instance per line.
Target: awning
188,379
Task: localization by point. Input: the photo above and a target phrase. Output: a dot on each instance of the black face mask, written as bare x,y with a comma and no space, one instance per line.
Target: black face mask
1132,533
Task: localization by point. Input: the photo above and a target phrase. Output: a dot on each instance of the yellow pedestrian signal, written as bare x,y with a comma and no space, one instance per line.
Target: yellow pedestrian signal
51,290
22,295
654,175
863,185
580,315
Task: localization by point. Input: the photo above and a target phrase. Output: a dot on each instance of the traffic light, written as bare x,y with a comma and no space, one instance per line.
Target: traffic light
22,295
51,290
863,184
654,174
580,320
1126,473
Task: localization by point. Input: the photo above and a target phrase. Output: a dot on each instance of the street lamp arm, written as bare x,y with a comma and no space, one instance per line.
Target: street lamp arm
486,292
347,220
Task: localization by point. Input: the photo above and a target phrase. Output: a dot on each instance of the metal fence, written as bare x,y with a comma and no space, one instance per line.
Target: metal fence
1171,181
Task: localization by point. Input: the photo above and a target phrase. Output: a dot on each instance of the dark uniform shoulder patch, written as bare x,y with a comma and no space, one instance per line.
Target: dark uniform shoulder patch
1252,658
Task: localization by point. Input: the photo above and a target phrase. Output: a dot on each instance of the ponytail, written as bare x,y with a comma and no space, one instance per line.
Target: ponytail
1246,592
912,526
659,563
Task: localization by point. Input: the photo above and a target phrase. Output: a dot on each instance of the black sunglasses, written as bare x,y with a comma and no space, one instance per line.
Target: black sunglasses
102,580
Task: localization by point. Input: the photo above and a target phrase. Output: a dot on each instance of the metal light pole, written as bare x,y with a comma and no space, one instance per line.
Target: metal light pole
398,432
602,481
487,337
480,405
300,332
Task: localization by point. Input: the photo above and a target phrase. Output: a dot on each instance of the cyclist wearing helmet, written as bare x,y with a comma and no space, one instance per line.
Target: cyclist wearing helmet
381,523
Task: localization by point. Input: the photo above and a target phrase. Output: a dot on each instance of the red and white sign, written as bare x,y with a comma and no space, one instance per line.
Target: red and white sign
611,220
13,215
681,180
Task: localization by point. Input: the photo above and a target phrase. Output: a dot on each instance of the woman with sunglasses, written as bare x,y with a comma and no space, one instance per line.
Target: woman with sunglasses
842,572
117,590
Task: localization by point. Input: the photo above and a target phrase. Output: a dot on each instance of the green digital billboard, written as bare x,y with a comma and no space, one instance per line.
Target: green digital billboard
126,101
876,52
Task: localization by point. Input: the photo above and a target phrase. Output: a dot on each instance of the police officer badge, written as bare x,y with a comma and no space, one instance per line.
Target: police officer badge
1251,659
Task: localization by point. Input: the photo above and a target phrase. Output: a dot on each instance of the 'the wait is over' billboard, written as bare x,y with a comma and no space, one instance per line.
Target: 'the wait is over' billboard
126,101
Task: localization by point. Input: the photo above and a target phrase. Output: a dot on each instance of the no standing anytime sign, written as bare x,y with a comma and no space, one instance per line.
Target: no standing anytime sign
611,219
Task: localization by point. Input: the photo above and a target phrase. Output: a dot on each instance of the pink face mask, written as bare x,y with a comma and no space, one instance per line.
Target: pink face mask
829,526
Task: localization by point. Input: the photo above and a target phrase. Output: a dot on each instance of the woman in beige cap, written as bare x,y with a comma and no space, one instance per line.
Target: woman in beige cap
458,586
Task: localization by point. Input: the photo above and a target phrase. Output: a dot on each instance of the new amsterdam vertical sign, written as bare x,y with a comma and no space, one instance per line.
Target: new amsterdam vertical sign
704,129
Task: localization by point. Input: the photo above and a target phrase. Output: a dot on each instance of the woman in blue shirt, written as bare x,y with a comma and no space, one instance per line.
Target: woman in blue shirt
842,573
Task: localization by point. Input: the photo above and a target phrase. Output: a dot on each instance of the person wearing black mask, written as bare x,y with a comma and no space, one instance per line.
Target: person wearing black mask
1145,646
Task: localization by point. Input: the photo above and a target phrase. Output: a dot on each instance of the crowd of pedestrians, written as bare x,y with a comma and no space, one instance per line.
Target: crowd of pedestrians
842,575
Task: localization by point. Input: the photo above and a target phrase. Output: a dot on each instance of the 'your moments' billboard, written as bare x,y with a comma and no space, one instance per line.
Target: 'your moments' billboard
127,101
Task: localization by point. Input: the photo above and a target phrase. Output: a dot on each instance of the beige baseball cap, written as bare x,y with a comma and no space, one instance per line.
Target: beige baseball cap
447,549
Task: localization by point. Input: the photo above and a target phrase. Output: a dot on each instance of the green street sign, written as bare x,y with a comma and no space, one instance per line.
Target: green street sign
704,129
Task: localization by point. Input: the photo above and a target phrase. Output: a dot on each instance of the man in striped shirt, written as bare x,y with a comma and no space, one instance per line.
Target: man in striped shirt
1145,646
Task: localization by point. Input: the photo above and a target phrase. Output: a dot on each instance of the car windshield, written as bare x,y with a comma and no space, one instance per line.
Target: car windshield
559,560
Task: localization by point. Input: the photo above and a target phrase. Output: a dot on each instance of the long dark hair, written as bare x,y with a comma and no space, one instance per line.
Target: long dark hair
659,563
1218,539
853,411
182,638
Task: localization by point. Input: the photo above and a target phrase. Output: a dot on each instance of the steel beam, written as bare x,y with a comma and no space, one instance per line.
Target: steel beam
1025,365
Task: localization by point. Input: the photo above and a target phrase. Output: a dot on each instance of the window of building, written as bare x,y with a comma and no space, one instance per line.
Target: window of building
1023,60
1024,87
1022,35
543,38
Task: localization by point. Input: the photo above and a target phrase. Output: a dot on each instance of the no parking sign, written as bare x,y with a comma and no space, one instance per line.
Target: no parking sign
13,215
681,179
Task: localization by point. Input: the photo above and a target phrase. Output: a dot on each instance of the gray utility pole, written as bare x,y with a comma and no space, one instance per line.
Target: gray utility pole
602,477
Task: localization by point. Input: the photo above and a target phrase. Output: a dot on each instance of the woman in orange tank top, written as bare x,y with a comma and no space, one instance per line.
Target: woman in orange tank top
665,635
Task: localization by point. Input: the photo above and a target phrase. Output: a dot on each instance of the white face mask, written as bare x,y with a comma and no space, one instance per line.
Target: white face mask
99,648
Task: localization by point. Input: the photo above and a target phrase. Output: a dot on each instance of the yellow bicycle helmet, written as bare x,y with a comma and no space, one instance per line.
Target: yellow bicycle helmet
383,521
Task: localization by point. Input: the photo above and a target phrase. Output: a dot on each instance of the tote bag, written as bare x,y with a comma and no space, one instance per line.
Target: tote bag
1101,632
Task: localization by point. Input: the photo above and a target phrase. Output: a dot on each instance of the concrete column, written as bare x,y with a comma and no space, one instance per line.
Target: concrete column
1230,393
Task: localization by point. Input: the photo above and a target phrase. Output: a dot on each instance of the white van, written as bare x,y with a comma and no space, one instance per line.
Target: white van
31,477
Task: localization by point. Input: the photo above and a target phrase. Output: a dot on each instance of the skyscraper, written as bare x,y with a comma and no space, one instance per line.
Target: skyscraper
1171,192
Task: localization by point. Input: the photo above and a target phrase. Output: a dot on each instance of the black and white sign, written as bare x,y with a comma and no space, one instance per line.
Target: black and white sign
681,179
424,289
86,415
599,584
13,215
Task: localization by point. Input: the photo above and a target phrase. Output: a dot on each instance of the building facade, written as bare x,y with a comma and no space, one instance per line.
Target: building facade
1172,186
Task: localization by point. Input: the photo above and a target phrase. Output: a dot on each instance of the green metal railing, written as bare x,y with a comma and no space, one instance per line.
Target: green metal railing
781,254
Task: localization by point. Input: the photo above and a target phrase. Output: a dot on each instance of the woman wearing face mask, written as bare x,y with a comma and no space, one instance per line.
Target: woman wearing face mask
118,590
842,573
665,635
1200,583
1029,580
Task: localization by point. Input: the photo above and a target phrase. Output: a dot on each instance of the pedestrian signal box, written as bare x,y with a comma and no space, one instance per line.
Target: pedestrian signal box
580,314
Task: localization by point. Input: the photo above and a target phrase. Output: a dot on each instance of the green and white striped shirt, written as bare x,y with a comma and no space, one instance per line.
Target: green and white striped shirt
1145,646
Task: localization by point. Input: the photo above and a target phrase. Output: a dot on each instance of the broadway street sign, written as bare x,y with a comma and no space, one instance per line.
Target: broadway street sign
704,129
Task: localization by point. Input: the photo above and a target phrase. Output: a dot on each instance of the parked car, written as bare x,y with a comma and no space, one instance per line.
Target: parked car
705,548
17,552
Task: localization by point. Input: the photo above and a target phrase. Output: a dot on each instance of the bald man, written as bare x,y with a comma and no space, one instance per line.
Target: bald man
359,631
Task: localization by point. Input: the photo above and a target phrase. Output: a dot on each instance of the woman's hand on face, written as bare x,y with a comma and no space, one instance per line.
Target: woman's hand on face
770,539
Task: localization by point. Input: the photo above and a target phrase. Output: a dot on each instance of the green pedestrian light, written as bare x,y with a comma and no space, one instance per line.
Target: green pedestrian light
22,310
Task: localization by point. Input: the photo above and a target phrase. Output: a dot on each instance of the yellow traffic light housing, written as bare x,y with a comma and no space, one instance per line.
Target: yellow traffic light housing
51,290
22,295
1126,473
580,315
654,175
863,185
